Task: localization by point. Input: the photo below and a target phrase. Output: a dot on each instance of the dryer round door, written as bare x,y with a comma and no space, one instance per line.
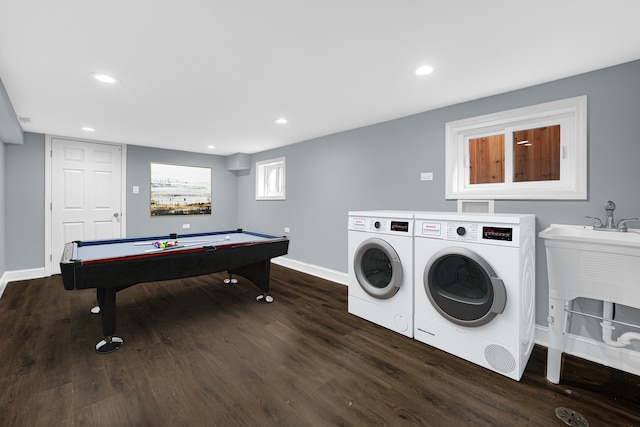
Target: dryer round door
463,287
378,268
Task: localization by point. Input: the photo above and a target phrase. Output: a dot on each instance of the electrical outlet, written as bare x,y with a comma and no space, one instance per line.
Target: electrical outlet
185,226
287,230
426,176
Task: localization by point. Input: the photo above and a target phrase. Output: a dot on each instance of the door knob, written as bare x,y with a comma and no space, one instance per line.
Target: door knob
116,214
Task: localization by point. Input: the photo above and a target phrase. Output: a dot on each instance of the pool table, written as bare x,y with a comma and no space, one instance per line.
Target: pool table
110,266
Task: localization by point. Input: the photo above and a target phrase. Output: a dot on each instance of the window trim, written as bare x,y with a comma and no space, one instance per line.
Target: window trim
571,113
262,179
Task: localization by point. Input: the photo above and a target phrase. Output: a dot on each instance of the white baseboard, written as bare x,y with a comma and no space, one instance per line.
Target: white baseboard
12,276
624,359
540,335
3,283
314,270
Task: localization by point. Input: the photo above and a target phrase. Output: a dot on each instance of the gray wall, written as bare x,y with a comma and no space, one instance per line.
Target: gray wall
139,220
24,211
10,133
378,167
10,128
3,227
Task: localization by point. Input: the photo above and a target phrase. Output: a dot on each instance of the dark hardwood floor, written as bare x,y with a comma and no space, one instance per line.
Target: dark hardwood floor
200,353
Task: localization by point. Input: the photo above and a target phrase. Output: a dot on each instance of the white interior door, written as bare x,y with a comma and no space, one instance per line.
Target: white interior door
86,193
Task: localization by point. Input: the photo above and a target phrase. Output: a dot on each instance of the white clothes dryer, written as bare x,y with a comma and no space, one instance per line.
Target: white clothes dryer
475,287
380,248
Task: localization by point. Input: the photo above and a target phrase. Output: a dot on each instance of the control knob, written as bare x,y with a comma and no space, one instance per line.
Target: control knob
461,231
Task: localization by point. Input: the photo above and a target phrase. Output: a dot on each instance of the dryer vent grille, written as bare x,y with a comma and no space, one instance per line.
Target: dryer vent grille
499,358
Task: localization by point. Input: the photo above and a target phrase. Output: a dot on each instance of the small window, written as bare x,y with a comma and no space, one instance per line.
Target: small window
537,152
270,179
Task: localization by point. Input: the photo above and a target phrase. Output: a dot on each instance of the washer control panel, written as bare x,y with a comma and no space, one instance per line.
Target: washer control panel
382,225
402,226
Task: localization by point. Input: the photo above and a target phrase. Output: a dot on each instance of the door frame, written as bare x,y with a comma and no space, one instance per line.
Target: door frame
48,226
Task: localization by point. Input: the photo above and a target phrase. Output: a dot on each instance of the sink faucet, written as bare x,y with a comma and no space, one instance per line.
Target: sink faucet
609,224
609,207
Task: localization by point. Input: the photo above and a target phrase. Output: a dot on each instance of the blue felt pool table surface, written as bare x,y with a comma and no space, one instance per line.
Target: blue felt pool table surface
101,250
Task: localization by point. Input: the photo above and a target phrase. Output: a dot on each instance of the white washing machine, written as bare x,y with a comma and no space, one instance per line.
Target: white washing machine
381,268
475,287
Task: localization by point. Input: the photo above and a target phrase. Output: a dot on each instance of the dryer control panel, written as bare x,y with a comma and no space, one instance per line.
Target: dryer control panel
507,230
494,234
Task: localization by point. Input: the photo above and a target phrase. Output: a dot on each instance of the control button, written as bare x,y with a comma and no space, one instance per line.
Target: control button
376,224
461,231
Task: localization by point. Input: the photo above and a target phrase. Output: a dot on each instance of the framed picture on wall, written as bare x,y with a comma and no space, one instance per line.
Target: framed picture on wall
180,190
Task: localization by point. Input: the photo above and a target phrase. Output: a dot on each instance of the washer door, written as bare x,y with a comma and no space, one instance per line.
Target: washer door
463,287
377,268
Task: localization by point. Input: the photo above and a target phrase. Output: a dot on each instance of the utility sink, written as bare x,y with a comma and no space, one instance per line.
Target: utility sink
583,262
587,235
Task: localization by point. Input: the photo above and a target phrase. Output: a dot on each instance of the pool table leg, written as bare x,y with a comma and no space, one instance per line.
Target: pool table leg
264,298
107,301
230,280
258,273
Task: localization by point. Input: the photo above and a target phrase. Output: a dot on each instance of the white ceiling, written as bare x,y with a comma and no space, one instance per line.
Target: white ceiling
209,72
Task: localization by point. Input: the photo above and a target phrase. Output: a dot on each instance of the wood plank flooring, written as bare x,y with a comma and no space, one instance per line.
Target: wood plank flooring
200,353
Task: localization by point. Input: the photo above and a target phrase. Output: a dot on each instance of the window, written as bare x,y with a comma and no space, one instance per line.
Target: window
270,179
537,152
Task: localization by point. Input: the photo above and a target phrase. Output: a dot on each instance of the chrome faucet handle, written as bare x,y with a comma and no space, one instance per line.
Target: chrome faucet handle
622,225
597,222
609,206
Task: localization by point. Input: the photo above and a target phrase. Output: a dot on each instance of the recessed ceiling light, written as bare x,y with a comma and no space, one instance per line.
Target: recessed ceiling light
211,147
281,121
88,129
105,78
424,70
